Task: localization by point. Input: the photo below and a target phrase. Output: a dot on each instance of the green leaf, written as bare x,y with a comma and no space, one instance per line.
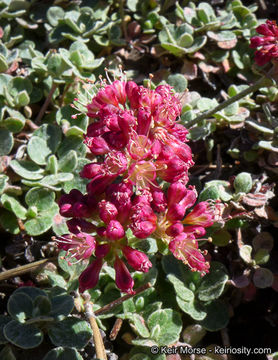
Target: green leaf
198,43
217,316
61,353
11,204
68,162
61,305
56,179
181,290
140,326
3,183
3,64
174,49
20,306
211,192
54,14
23,335
42,198
72,143
245,253
4,320
186,40
73,270
15,122
77,182
170,325
38,150
221,35
42,222
178,81
56,280
31,291
205,12
70,332
192,308
52,134
56,65
42,306
9,222
52,164
6,141
19,84
213,284
26,169
22,98
263,278
243,182
221,238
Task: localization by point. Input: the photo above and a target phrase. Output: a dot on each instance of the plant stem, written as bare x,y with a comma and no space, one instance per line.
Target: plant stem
46,103
99,346
263,81
24,268
121,299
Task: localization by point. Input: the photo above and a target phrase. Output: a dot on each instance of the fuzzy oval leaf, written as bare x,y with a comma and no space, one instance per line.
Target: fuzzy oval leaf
24,336
263,278
61,305
42,198
178,81
31,291
70,332
39,225
140,326
4,320
6,142
20,306
68,162
26,169
52,134
243,182
18,84
213,283
61,353
245,253
38,150
170,325
12,204
192,308
181,290
54,14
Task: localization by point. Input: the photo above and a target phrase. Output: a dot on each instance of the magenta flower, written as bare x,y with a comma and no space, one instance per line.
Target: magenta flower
267,44
123,280
136,259
185,248
137,147
79,246
89,277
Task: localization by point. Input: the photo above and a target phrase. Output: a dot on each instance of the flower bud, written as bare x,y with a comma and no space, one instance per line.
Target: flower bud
89,277
124,280
107,211
137,259
114,230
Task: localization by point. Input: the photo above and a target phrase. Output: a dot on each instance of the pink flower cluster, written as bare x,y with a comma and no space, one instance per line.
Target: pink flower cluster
267,44
140,150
